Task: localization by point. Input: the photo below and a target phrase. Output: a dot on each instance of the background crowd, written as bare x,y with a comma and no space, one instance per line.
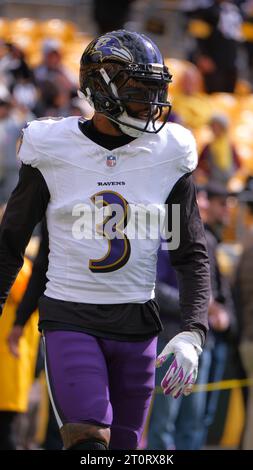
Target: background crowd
208,46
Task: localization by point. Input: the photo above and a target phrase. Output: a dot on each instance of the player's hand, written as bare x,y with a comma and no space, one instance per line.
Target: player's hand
184,349
13,339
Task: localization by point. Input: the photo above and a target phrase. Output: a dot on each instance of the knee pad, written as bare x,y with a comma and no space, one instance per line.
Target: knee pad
78,433
89,444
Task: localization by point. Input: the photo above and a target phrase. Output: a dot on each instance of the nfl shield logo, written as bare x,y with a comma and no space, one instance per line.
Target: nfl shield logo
110,160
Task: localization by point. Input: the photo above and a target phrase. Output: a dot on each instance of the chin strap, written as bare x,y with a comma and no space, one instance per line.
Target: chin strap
126,122
130,131
127,129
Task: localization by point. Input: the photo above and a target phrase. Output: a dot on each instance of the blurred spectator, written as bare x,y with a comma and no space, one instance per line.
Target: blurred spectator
17,76
222,317
56,102
2,59
16,373
53,101
18,70
111,15
189,5
12,120
184,423
25,94
189,101
174,424
244,291
52,69
218,160
28,305
216,54
247,8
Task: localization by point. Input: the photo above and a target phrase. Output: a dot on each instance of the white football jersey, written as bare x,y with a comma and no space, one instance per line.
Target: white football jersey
85,180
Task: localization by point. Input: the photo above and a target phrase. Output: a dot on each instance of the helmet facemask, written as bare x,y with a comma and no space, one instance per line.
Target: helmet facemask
132,96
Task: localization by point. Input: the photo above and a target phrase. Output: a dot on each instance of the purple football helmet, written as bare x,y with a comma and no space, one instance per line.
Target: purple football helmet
121,68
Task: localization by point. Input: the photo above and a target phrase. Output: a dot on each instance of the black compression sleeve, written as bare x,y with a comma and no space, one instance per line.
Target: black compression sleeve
37,282
26,207
190,259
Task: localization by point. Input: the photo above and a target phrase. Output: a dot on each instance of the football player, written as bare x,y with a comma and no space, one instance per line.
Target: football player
98,314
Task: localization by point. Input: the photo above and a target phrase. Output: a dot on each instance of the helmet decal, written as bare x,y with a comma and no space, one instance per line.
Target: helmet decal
110,47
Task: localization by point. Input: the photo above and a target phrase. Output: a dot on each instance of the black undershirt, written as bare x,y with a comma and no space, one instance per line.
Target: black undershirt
133,321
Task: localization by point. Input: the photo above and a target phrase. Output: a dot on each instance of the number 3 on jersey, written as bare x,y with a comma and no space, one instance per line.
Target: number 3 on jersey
119,248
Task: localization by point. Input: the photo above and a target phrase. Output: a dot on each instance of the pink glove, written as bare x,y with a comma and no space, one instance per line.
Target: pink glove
182,373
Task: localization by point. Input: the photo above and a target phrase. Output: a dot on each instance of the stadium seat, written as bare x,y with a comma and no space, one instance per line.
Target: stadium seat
58,29
25,26
4,28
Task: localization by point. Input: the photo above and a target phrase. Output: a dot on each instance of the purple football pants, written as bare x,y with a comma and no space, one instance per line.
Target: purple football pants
101,381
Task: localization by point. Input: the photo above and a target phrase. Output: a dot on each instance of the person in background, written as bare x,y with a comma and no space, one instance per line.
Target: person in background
216,54
218,160
111,15
177,424
27,306
183,424
244,294
222,318
52,69
174,424
189,101
16,373
12,119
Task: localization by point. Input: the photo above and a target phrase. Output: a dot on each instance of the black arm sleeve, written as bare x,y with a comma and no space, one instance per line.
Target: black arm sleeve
26,207
168,300
190,259
37,282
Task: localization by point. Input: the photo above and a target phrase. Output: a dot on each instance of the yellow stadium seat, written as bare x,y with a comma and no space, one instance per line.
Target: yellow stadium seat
247,31
19,287
179,68
4,28
78,44
246,103
199,29
17,374
34,58
26,43
226,103
243,132
246,156
194,110
3,50
203,136
25,26
58,29
243,87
